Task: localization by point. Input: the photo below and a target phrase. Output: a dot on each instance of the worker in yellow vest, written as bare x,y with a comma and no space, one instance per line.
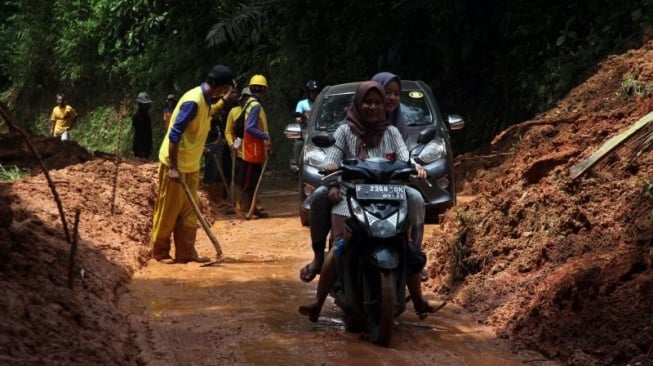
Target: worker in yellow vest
256,143
179,157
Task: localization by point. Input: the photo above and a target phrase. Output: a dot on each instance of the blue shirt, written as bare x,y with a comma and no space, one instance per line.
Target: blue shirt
304,106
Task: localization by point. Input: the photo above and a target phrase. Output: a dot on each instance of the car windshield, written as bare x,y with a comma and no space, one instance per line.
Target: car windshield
334,110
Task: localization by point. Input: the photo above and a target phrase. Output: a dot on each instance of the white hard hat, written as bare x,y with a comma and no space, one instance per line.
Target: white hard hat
143,98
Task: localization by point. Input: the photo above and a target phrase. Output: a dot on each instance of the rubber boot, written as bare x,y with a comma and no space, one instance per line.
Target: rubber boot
161,249
184,237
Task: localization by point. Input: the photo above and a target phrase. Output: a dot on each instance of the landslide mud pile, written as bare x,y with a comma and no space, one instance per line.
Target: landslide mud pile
561,265
42,320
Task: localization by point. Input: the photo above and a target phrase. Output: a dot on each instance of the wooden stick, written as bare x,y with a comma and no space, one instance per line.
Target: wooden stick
232,188
252,206
9,119
73,252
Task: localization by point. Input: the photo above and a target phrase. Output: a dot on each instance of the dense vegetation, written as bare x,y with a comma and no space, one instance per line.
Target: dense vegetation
496,63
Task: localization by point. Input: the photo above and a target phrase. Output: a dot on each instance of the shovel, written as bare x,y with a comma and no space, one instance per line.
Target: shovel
205,225
232,188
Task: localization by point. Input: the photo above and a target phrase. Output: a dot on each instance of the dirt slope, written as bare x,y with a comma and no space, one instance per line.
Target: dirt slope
561,266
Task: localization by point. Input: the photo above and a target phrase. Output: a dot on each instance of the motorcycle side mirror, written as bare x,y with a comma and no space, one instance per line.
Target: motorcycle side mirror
426,135
323,140
293,131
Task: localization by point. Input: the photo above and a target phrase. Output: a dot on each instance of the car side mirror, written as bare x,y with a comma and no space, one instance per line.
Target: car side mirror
426,135
323,141
456,122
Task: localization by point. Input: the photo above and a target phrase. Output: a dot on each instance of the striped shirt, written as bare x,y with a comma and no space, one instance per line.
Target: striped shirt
392,142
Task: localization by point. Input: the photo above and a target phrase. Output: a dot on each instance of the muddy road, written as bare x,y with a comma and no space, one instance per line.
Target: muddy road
244,311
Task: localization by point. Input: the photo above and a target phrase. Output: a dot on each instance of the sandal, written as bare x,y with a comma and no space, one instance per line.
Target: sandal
307,273
426,308
312,311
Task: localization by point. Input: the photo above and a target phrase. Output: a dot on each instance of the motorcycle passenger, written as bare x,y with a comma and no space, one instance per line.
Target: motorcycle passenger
368,133
392,85
302,113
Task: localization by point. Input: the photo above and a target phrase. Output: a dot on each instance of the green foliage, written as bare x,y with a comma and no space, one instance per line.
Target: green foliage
459,262
104,129
632,86
11,173
647,192
243,19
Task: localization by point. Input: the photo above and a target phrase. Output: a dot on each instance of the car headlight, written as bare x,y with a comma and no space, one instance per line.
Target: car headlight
434,150
314,156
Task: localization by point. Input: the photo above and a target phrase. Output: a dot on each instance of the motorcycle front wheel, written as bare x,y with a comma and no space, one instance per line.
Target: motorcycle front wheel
381,319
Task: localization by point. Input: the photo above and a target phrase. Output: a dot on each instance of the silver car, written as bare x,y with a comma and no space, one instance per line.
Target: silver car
420,111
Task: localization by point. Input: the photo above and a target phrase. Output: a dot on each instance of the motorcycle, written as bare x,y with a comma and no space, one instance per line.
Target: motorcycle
372,269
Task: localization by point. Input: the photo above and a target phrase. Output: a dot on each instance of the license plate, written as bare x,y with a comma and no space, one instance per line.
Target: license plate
380,192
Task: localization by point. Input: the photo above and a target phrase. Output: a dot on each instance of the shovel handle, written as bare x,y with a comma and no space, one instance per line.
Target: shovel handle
252,207
205,225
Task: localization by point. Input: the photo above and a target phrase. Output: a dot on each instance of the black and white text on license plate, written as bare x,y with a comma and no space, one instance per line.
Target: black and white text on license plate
380,192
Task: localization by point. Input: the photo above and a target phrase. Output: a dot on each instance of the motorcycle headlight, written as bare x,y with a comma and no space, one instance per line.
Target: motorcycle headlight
383,228
434,150
314,156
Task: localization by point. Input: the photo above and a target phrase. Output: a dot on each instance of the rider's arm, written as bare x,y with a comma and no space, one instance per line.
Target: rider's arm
335,153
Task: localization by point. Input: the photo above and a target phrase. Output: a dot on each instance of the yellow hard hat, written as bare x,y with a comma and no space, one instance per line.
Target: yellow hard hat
258,79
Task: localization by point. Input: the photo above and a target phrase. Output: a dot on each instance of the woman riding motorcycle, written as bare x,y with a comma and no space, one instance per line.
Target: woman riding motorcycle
367,134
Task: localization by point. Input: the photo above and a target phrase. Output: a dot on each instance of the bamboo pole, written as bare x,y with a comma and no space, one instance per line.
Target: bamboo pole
580,168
